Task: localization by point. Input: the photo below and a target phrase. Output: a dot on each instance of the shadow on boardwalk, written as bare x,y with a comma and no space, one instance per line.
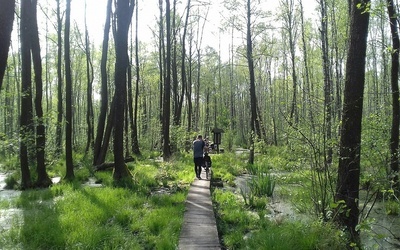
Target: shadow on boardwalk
199,229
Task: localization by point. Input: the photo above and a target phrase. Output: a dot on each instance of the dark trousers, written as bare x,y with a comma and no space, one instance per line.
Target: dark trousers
198,162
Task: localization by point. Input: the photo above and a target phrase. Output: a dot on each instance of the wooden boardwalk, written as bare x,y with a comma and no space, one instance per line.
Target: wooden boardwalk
199,229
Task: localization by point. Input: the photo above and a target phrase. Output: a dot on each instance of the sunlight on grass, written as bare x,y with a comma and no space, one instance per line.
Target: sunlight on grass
76,216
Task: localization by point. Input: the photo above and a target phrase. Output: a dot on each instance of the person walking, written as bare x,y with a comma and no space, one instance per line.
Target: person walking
198,149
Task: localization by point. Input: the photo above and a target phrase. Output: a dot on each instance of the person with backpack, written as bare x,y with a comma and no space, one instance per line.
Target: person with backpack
198,150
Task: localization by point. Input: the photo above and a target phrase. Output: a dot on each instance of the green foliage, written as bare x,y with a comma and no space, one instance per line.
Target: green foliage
180,139
12,181
262,184
227,166
392,207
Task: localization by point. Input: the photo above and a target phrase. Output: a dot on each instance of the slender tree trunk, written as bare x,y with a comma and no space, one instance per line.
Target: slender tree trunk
135,140
347,188
26,123
174,69
129,123
328,90
60,83
196,118
188,90
167,87
107,134
183,65
307,74
104,90
69,175
124,9
253,99
89,95
6,25
161,58
43,179
394,138
294,116
338,65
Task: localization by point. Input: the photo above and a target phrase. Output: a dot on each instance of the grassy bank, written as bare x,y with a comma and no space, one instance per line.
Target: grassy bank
80,216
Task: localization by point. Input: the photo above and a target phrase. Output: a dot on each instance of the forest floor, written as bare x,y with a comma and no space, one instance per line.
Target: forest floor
384,232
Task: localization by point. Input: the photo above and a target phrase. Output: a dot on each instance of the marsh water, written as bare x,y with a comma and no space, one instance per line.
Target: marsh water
384,233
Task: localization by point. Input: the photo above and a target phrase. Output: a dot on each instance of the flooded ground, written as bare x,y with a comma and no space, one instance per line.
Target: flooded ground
384,232
7,215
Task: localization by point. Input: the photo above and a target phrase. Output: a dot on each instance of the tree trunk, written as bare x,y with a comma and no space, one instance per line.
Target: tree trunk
135,140
347,188
253,99
328,90
167,87
69,175
188,91
307,72
294,116
161,58
104,90
183,65
174,69
43,179
90,77
394,138
124,9
60,83
26,123
6,25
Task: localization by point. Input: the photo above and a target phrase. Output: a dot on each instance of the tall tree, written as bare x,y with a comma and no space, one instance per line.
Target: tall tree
290,26
89,90
306,69
394,138
328,90
183,65
348,181
174,66
6,25
123,12
98,156
43,179
161,58
69,175
167,86
255,124
135,140
59,82
26,122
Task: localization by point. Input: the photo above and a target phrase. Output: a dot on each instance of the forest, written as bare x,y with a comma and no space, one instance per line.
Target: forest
308,95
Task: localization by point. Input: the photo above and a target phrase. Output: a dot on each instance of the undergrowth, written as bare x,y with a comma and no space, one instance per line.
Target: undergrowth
80,216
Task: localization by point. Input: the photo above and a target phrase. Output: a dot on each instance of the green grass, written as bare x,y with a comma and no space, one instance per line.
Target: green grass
76,216
243,217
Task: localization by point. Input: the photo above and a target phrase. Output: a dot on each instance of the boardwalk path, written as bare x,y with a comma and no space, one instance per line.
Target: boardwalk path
199,229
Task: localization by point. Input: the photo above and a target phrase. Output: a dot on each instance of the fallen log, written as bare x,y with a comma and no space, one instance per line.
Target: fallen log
107,165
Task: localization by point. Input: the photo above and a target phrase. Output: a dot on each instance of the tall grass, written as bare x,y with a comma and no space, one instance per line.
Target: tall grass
77,216
245,220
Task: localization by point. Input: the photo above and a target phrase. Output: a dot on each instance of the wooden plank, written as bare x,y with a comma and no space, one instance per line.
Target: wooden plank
199,229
